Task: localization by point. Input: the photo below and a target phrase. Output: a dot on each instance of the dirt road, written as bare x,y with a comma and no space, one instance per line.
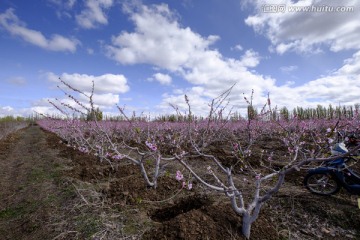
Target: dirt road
42,195
29,194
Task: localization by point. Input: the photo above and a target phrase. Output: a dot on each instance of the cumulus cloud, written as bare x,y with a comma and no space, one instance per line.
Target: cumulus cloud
169,46
314,29
105,99
94,14
45,110
6,110
199,103
351,66
341,87
10,111
250,59
10,22
159,40
107,88
163,79
106,83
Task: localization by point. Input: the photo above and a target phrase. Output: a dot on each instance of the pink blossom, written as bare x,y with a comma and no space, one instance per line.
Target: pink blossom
148,144
151,146
117,157
189,186
179,175
83,149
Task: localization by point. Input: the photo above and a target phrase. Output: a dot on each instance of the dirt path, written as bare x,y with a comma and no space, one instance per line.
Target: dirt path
29,195
43,195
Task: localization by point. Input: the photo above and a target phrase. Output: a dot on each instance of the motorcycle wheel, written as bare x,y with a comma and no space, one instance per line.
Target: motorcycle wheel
322,183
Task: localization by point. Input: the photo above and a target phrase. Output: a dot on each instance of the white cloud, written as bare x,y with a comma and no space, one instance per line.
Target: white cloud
163,79
12,24
10,111
45,110
250,59
107,89
24,112
106,99
288,69
7,109
94,14
161,41
158,39
307,31
341,87
107,83
352,65
198,103
237,47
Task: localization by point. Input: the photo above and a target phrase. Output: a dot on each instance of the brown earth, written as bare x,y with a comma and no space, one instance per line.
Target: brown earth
50,191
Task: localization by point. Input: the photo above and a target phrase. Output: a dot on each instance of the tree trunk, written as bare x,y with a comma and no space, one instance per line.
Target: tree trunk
246,225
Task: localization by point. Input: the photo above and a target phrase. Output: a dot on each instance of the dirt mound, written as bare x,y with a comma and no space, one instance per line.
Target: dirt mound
197,217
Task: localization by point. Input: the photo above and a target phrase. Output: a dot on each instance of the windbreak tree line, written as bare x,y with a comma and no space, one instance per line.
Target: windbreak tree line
9,124
321,112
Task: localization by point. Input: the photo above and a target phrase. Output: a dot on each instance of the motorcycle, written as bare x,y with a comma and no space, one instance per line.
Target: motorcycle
334,175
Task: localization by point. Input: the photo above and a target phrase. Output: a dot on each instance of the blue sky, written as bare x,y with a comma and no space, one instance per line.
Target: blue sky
147,54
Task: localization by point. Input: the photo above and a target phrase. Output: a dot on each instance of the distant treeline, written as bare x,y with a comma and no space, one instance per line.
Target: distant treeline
12,119
320,112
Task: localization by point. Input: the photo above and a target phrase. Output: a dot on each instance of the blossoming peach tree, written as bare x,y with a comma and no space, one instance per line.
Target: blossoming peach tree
195,144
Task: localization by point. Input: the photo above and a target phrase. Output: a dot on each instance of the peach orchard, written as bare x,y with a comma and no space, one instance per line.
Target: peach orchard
185,149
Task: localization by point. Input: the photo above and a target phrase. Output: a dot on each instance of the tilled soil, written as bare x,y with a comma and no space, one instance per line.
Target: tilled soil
51,191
